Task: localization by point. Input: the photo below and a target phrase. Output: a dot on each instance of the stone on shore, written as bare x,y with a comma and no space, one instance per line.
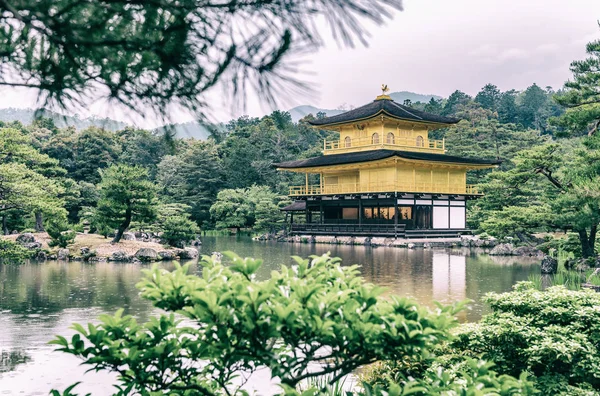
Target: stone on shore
128,236
26,237
120,256
504,249
549,265
62,254
167,255
146,254
530,251
188,253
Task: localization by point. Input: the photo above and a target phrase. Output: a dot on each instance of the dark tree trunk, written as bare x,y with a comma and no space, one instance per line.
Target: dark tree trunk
39,222
587,243
124,225
4,226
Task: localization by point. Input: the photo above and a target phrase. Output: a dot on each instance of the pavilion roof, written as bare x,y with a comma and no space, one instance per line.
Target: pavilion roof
387,107
374,155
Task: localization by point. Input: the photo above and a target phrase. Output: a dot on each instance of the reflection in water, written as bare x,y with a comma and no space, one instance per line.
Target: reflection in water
10,360
39,300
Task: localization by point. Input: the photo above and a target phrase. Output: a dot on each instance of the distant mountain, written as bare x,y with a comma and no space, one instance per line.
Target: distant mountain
26,117
299,112
187,130
401,96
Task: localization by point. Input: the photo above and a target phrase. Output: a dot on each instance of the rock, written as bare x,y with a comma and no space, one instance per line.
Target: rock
411,245
527,251
32,245
128,236
41,255
52,257
188,253
136,260
504,249
14,232
549,265
119,255
146,254
166,255
325,239
197,242
85,251
63,254
27,237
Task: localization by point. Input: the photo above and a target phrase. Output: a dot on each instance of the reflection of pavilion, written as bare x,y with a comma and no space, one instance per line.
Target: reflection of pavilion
449,277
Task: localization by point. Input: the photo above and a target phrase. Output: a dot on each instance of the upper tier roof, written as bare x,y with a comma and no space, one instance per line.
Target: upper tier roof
383,106
374,155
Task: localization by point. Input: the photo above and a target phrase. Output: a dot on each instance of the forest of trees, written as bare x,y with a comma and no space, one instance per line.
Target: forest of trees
229,181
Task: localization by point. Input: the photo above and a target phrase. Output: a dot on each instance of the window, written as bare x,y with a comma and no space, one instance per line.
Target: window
390,139
404,212
387,213
350,213
375,138
420,141
347,141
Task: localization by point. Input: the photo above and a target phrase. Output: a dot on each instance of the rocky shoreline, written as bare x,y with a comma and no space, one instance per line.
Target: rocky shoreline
131,250
468,241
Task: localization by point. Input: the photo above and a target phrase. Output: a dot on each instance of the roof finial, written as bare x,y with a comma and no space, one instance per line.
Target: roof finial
384,91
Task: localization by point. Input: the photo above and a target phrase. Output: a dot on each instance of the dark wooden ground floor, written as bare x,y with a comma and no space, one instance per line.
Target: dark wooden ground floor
389,215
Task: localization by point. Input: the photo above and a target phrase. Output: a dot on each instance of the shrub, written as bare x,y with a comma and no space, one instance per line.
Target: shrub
179,230
59,232
315,313
552,334
12,251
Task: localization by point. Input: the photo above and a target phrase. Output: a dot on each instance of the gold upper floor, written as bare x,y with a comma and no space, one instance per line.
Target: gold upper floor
384,133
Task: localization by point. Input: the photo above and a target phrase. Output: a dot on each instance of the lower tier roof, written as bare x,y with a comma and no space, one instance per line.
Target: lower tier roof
374,155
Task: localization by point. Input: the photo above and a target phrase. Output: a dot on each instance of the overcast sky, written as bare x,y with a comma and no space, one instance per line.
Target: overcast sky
432,47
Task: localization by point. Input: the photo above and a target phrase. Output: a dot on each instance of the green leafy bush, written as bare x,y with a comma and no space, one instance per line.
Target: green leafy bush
474,378
179,230
315,313
59,232
552,334
12,251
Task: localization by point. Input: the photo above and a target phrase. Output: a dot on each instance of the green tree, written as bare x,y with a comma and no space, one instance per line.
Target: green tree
126,195
532,102
59,232
256,207
489,97
156,54
192,177
233,209
93,149
24,185
456,99
582,96
552,186
143,148
508,110
179,230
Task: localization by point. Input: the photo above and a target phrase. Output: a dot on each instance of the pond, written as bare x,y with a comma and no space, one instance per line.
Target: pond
39,300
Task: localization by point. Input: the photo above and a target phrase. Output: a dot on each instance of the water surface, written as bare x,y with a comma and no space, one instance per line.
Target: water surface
39,300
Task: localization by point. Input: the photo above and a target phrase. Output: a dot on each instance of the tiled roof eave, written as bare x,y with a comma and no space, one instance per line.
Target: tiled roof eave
379,112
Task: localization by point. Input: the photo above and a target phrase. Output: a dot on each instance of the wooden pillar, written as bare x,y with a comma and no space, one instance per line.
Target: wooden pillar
321,182
306,184
321,211
431,180
395,216
360,212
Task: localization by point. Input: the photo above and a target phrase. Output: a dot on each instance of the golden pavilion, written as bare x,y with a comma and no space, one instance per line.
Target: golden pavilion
384,176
